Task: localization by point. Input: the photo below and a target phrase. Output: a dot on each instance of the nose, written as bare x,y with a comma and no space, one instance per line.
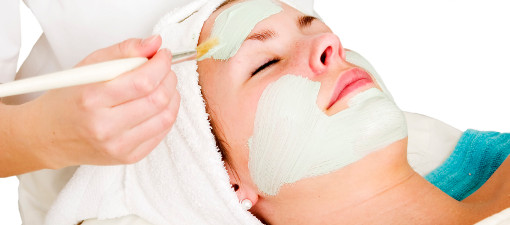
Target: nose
326,51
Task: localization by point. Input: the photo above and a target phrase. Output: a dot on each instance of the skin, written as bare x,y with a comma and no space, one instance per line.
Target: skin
114,122
379,189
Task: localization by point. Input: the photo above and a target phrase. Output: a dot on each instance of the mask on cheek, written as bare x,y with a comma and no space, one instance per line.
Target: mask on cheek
293,139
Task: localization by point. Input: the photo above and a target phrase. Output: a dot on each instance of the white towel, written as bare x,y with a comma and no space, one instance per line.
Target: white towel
501,218
183,181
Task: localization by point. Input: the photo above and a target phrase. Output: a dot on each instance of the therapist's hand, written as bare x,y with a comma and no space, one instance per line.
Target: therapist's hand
114,122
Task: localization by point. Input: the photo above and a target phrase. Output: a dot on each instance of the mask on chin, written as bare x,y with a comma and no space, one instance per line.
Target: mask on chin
293,139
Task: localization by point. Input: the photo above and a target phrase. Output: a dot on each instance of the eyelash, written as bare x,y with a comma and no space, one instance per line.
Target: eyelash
265,66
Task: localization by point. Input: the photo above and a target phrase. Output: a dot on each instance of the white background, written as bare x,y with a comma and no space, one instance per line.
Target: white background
448,59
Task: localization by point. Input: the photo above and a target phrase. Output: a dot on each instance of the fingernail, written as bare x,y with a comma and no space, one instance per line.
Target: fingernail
167,52
149,40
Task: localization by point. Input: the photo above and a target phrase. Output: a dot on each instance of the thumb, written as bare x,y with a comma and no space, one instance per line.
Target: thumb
134,47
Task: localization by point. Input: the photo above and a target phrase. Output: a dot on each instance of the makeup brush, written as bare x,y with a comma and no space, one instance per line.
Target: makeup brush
201,50
94,73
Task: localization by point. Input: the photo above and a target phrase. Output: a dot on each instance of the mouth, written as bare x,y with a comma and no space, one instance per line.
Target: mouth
350,82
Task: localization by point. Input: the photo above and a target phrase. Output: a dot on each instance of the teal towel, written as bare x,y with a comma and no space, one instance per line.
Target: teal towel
475,158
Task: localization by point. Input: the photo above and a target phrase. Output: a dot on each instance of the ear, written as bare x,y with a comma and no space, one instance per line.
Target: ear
243,186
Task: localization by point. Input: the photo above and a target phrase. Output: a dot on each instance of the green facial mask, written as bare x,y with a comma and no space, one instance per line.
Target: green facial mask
293,139
234,25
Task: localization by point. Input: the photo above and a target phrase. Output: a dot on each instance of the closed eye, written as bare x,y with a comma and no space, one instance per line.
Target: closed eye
265,66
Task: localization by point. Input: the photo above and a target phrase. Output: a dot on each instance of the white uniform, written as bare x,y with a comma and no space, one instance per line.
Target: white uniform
72,29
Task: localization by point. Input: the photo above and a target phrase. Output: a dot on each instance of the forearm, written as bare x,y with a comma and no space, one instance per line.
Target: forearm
18,148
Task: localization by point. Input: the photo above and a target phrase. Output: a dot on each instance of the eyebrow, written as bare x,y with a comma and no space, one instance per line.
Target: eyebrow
262,36
302,22
305,21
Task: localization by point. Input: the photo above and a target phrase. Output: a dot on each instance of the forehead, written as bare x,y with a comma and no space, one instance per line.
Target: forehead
209,23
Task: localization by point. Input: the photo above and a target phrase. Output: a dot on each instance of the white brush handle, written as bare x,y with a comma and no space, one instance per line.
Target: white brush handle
77,76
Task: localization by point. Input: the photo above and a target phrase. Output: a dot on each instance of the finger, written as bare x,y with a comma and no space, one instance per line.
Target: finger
137,83
145,148
129,48
157,126
137,111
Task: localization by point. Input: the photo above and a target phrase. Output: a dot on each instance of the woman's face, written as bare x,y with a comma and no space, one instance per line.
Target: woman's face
288,42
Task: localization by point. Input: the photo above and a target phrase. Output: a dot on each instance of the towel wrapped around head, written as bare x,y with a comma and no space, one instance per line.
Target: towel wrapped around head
183,181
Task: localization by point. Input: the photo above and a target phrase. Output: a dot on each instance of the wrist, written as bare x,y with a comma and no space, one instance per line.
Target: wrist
39,126
17,153
27,146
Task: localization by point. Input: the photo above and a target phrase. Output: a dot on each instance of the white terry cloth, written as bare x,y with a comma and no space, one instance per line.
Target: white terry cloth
501,218
183,181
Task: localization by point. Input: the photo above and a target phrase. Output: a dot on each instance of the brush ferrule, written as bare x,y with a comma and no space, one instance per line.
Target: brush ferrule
183,56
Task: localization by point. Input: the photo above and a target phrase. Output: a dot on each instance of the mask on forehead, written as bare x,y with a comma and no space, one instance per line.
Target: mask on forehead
293,139
233,25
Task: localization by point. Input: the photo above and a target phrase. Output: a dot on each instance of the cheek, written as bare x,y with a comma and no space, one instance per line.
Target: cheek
245,115
298,63
235,114
239,122
293,139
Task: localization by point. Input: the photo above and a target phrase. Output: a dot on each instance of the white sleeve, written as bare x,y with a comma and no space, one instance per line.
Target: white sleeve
10,39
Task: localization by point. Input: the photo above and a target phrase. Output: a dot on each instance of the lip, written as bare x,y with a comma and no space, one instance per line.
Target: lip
350,81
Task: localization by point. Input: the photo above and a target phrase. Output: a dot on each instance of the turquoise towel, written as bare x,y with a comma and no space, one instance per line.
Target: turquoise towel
475,158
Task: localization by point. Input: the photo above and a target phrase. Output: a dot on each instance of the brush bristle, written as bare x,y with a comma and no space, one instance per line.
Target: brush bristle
203,48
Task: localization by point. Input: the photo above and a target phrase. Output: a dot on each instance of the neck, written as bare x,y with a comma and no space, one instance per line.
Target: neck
379,189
